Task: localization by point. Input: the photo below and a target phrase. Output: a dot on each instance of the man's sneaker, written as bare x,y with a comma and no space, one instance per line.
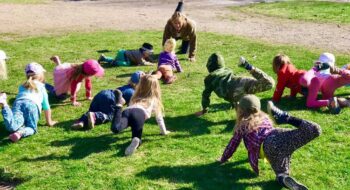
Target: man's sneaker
3,98
14,137
91,120
119,97
333,106
292,184
132,147
279,115
77,125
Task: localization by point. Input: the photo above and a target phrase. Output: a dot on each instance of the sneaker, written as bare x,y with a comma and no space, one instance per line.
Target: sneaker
102,58
119,97
279,115
3,98
14,137
292,184
244,63
77,125
132,147
322,66
333,106
91,120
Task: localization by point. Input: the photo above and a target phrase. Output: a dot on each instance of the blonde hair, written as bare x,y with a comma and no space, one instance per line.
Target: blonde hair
278,61
170,45
249,121
29,83
3,70
78,70
147,91
178,16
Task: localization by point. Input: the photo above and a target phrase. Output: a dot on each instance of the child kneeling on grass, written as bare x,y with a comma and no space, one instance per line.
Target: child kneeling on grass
68,78
145,101
137,57
32,97
167,62
103,105
263,140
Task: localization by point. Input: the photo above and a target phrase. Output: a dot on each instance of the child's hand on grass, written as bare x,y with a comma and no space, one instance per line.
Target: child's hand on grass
192,59
90,98
166,132
52,123
76,104
200,113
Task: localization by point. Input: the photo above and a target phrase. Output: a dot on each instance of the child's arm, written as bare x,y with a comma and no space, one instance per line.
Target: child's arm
147,63
161,124
48,118
74,88
205,97
231,147
281,83
88,88
177,65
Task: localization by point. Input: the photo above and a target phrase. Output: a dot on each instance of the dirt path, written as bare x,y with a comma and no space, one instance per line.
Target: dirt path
210,15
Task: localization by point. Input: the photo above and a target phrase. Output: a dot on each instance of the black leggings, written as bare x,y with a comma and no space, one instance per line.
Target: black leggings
134,117
281,143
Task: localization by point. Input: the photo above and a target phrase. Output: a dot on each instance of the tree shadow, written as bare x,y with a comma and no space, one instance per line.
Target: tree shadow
3,135
81,147
207,176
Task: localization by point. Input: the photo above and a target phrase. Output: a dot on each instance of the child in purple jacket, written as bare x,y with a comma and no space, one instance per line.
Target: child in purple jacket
168,62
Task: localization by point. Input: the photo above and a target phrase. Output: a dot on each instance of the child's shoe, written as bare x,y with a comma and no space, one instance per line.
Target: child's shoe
14,137
292,184
119,98
77,125
91,120
333,106
56,60
102,58
279,115
133,146
322,66
3,98
244,63
343,102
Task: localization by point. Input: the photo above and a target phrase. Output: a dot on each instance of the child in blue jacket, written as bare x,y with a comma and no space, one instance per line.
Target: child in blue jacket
103,104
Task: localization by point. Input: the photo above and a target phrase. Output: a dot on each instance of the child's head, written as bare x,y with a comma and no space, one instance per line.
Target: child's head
33,71
170,45
135,78
278,61
178,20
326,58
146,50
215,61
3,69
89,68
248,113
148,90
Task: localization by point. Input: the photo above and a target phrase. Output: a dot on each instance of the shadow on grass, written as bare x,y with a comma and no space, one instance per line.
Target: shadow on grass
9,181
81,147
208,176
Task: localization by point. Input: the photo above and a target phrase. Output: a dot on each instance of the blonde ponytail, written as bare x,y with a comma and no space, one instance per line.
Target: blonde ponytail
30,84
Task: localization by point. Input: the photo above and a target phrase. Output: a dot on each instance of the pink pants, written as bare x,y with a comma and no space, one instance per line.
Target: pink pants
327,86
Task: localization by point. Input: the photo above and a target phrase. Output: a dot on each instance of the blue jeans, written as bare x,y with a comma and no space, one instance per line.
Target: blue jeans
23,117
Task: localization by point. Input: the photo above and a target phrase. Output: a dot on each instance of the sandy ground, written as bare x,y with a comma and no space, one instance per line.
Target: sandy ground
210,15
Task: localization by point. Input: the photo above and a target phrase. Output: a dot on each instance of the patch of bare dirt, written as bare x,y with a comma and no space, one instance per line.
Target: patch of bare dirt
210,15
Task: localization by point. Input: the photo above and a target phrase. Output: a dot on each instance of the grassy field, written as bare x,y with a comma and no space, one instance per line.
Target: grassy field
319,11
60,158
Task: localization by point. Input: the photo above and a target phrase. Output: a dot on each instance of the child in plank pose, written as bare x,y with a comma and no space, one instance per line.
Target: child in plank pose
167,62
137,57
146,100
263,140
287,76
103,105
68,78
32,97
326,78
3,68
229,86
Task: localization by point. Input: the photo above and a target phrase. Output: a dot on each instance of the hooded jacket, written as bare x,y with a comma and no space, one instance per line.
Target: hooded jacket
227,85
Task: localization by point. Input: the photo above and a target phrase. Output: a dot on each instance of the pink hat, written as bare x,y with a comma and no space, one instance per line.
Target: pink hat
91,67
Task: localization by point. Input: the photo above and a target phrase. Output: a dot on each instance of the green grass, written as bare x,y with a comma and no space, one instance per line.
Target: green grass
318,11
59,158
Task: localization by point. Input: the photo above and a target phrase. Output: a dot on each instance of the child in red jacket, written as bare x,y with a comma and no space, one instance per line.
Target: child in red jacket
287,76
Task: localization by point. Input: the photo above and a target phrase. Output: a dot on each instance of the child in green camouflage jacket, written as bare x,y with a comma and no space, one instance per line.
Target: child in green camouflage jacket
227,85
